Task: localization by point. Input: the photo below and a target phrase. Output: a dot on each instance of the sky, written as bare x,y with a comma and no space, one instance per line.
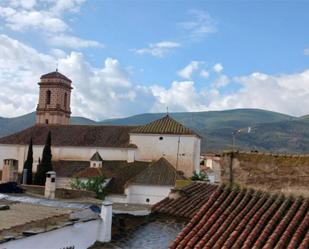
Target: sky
131,57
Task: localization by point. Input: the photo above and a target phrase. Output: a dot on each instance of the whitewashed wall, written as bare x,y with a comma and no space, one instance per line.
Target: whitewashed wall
63,182
150,147
19,152
138,194
80,235
214,164
117,198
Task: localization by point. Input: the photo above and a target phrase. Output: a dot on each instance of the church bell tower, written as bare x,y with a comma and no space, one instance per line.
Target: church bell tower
54,99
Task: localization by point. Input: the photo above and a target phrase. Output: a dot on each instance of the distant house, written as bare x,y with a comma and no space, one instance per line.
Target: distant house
162,138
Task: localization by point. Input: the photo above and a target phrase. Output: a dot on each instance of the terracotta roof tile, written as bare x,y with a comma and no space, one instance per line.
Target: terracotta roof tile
55,74
89,172
244,218
160,172
190,199
73,135
65,168
165,125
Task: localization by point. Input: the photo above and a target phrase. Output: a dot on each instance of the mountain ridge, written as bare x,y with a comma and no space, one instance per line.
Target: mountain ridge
271,131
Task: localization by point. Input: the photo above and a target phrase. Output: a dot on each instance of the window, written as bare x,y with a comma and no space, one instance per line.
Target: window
46,121
160,138
48,95
65,100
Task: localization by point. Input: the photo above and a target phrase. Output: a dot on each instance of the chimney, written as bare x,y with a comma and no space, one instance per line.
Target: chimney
50,185
105,230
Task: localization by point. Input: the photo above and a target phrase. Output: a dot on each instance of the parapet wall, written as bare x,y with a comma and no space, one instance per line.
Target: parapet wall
274,172
60,192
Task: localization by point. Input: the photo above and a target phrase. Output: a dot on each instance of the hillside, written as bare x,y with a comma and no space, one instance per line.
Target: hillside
271,131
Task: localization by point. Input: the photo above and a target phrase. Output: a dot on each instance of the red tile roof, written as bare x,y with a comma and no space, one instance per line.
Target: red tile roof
73,135
244,218
165,125
65,168
160,172
191,199
89,172
55,74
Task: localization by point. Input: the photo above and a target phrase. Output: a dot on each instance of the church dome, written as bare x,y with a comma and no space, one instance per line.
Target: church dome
55,75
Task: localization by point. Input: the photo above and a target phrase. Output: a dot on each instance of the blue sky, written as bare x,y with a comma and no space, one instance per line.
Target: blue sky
130,57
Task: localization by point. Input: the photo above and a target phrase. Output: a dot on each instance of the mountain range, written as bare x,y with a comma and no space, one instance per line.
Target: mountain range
269,131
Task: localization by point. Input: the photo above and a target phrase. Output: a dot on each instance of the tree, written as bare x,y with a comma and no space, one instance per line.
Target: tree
46,163
28,163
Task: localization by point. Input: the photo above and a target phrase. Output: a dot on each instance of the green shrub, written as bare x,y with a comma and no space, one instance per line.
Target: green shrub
202,176
95,184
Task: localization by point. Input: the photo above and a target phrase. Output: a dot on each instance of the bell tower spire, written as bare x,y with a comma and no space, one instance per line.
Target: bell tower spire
54,99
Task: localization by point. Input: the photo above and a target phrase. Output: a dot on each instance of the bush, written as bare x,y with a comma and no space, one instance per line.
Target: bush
96,184
202,176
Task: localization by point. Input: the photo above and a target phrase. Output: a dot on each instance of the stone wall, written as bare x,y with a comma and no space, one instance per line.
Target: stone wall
273,172
61,193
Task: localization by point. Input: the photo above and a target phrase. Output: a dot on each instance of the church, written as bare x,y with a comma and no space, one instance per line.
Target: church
164,140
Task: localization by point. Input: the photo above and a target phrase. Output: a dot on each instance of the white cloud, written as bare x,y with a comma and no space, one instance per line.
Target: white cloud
28,4
72,42
200,25
282,93
158,49
98,93
205,74
66,5
46,17
218,68
21,20
221,81
187,71
20,69
306,51
181,96
108,91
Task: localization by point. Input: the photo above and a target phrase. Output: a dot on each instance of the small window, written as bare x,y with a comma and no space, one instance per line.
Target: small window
94,165
160,138
46,121
48,96
65,100
147,200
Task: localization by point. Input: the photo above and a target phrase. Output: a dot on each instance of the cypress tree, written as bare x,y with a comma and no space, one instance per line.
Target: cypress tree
46,163
28,163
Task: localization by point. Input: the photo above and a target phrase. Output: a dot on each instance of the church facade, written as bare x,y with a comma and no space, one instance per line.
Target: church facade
165,137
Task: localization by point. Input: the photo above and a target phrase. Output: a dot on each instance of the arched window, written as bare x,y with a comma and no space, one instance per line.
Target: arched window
65,100
48,95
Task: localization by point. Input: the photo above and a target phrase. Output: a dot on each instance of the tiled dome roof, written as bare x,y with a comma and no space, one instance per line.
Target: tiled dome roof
55,75
165,125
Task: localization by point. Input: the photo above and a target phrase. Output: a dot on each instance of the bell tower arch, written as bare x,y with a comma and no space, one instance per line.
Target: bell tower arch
54,99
